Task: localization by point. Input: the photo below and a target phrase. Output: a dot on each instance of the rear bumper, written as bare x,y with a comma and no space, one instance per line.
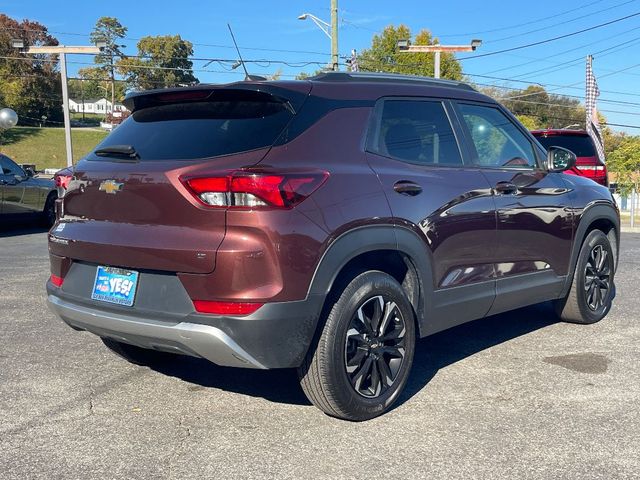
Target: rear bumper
276,336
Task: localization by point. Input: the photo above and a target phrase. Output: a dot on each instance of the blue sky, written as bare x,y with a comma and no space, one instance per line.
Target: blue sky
270,30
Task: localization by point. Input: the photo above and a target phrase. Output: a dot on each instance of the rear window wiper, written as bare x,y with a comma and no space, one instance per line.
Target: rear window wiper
117,151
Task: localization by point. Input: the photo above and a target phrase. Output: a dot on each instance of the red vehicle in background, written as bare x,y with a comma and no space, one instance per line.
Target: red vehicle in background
579,142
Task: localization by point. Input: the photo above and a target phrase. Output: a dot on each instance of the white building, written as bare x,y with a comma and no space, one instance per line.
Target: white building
98,106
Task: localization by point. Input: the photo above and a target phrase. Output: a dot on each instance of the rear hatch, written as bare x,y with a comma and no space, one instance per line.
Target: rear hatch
126,205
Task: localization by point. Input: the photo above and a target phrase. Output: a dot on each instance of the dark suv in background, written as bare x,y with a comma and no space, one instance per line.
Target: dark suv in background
323,225
581,144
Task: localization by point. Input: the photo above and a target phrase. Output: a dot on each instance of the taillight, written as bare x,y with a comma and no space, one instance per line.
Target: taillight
56,280
595,169
226,308
253,189
62,183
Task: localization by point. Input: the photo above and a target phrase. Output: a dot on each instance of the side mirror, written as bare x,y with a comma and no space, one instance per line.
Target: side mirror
560,159
30,173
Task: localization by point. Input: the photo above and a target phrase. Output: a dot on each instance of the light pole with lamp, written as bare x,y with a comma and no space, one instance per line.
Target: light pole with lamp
62,51
405,46
329,29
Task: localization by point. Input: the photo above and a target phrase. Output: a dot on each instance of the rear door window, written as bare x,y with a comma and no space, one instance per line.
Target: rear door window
201,129
416,131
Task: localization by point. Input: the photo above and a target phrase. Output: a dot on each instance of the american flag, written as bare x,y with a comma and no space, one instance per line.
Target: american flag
593,125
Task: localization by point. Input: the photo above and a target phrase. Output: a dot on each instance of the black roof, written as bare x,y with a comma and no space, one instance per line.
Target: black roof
388,78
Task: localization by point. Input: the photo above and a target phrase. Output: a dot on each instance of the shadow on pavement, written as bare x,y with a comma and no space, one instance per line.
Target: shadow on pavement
450,346
432,354
22,228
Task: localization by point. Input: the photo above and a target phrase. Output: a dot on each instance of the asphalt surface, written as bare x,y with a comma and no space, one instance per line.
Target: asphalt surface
512,396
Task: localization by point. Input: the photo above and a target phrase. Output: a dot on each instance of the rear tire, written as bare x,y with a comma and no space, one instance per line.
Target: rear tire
592,289
137,355
364,352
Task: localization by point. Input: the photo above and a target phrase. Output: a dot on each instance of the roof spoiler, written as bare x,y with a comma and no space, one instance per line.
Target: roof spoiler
201,93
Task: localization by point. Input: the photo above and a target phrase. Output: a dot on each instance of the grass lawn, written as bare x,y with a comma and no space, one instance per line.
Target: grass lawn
45,146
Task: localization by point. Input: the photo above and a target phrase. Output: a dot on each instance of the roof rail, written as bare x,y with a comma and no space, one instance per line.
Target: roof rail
389,78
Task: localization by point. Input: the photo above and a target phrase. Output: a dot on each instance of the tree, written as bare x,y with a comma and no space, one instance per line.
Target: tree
109,30
539,108
93,82
384,56
162,61
29,84
624,162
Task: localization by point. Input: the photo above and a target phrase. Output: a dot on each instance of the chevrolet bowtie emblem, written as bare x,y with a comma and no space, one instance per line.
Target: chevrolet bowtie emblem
111,186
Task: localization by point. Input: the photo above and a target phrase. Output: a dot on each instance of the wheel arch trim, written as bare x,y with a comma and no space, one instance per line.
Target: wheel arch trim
365,239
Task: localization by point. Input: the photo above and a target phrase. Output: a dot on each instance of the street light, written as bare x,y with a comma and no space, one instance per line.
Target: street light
405,46
322,25
329,29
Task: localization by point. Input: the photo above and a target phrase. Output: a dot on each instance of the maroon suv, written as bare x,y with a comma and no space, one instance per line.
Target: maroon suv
325,225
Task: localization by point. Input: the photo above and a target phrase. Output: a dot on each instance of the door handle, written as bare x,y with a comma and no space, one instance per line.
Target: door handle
405,187
506,187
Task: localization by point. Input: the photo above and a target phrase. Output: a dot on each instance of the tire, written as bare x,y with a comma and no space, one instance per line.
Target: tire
592,290
137,355
49,212
356,371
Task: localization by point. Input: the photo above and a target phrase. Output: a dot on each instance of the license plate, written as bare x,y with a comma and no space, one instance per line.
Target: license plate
115,285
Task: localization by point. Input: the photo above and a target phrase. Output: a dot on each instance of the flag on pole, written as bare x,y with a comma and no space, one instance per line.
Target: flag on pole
353,61
593,125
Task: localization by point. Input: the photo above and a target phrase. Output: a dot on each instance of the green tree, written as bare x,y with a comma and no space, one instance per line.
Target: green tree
30,84
162,61
110,31
384,56
539,108
624,162
529,122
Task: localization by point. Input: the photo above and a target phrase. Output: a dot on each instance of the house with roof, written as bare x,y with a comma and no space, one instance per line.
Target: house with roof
100,106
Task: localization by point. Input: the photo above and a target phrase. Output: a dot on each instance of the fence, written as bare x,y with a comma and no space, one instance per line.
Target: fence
629,209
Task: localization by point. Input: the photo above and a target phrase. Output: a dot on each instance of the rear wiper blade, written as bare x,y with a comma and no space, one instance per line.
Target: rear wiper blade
117,151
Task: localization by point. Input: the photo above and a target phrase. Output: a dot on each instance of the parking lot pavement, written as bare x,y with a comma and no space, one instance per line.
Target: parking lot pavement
512,396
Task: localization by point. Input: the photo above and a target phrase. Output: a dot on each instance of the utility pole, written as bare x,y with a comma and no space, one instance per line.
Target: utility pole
329,29
404,46
334,35
62,51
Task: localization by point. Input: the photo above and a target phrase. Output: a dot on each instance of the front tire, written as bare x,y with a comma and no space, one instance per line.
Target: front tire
364,353
592,289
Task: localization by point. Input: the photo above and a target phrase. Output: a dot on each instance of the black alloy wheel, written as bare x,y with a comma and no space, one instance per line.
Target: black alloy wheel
375,346
597,277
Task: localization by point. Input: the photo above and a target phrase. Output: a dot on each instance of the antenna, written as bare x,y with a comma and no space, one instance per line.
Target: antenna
244,67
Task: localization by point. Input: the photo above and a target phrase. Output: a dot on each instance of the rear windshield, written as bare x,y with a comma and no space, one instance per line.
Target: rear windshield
202,129
582,146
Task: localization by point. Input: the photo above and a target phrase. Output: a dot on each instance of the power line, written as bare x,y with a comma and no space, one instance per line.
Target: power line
510,27
564,52
553,39
560,23
573,119
212,45
579,60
